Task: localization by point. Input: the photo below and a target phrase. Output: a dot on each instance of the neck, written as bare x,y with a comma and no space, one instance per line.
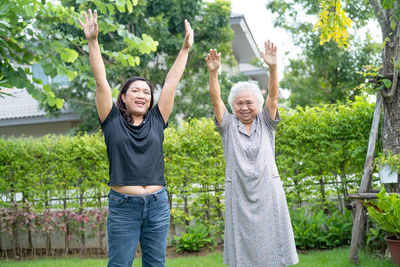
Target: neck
248,127
137,120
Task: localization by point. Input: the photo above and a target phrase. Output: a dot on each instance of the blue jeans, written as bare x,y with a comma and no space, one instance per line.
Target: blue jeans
134,218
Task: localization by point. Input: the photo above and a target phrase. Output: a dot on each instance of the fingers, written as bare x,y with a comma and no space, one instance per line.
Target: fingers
90,15
213,55
95,16
270,46
188,28
92,18
85,16
80,22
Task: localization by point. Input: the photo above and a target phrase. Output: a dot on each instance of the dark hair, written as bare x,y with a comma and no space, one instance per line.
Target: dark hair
121,105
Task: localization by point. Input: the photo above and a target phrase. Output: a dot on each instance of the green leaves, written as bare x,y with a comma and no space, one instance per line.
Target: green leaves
386,211
320,146
68,55
196,237
316,230
387,83
49,33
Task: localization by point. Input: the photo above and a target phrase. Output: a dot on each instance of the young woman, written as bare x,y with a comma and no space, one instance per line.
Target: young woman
258,231
133,131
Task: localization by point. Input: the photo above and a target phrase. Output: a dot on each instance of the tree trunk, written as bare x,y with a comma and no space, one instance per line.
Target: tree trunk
391,96
391,100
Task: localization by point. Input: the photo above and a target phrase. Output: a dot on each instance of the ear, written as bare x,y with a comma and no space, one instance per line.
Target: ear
123,97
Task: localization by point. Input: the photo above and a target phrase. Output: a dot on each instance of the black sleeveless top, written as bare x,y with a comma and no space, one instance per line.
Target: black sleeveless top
135,153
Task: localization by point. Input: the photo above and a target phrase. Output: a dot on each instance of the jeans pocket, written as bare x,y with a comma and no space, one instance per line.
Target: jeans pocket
115,200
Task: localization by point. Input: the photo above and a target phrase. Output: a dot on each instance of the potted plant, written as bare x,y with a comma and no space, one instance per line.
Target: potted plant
388,166
386,212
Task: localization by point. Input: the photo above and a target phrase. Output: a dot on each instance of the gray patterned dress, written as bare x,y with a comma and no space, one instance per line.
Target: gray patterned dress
258,232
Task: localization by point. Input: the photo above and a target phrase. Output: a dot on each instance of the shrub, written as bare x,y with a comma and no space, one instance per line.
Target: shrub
196,237
320,231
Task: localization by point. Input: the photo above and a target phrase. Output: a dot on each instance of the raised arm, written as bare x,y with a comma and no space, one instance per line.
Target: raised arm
270,57
213,61
166,100
103,92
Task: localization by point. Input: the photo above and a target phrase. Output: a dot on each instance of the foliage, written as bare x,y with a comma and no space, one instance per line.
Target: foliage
196,237
389,159
333,23
49,34
386,212
319,230
319,153
194,171
45,33
376,240
73,224
321,150
54,167
322,74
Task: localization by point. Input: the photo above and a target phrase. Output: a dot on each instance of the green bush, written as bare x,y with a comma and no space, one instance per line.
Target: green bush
319,152
196,237
319,230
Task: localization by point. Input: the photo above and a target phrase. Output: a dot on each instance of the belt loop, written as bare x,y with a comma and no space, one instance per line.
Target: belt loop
155,197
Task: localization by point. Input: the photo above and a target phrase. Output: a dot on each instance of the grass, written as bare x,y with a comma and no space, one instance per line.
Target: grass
338,257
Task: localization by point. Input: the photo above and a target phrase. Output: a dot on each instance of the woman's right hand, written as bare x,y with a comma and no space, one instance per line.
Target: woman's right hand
213,60
90,27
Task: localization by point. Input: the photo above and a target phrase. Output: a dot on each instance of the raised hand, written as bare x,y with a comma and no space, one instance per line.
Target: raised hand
213,60
269,54
90,27
189,34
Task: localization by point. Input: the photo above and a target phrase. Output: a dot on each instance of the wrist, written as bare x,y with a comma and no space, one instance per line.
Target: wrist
92,41
185,49
213,72
273,67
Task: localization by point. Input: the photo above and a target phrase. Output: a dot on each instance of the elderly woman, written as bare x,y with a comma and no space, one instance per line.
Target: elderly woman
258,231
134,133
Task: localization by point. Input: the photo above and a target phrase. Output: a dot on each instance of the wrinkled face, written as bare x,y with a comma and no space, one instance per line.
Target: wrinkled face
245,106
137,98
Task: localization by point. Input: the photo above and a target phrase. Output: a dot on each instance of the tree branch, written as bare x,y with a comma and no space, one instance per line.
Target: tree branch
80,102
80,49
380,14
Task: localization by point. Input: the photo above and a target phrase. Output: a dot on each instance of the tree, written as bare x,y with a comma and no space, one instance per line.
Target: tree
48,34
210,21
34,32
388,14
321,74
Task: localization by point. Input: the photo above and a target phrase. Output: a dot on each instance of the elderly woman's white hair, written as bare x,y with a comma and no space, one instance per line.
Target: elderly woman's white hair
251,86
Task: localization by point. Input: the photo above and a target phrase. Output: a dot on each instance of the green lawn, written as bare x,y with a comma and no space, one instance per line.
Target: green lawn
329,258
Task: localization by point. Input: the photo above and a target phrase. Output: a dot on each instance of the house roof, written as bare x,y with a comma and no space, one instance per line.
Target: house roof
244,45
19,108
245,50
19,104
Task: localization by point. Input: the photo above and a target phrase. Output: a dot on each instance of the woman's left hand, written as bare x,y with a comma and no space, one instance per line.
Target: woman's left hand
188,35
270,54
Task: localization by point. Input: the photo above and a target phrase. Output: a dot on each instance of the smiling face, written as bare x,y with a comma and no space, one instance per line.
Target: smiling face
245,106
137,98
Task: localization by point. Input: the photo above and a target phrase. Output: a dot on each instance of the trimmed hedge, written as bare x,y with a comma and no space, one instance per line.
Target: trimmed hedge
320,152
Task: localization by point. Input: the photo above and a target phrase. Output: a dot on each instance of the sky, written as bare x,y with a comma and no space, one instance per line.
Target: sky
259,20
